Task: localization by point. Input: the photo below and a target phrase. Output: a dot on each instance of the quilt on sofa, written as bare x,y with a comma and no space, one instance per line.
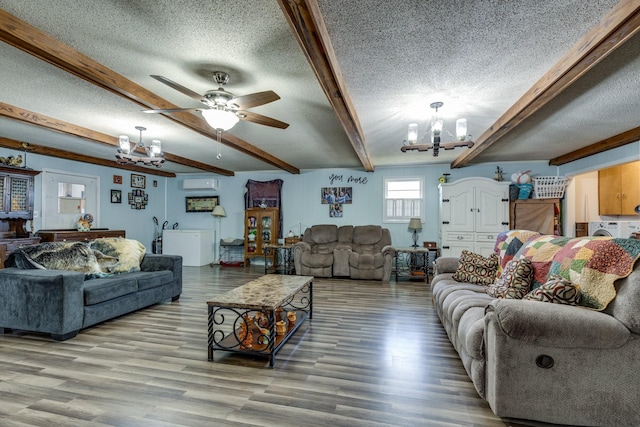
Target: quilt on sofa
593,263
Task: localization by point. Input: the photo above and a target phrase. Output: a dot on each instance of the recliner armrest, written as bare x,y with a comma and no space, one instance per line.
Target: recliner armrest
556,325
388,250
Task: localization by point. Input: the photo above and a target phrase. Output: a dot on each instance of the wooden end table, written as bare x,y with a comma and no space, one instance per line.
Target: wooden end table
414,262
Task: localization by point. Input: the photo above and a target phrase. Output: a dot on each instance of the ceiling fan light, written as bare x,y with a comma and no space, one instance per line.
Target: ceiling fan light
461,129
124,144
412,134
220,119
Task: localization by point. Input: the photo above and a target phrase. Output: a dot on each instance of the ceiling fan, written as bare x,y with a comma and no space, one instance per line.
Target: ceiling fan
224,109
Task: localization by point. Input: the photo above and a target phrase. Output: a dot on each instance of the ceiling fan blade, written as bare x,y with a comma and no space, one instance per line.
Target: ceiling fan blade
255,99
172,110
180,88
261,120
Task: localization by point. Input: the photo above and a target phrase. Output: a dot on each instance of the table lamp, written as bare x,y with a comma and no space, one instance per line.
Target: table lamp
414,225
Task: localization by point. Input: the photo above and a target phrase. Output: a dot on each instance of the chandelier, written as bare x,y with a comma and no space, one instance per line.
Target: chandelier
126,153
436,127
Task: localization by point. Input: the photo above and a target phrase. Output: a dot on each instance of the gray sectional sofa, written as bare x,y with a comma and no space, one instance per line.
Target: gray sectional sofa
542,361
61,302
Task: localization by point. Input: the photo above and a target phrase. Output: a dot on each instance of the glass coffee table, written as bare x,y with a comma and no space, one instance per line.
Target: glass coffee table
260,316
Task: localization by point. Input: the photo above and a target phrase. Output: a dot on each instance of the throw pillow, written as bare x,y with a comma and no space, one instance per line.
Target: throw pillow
515,281
128,252
474,268
556,290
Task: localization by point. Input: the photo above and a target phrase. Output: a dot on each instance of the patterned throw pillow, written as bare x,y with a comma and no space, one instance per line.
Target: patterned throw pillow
557,290
474,268
515,281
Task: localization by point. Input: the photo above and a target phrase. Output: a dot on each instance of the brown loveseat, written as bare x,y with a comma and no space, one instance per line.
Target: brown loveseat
358,252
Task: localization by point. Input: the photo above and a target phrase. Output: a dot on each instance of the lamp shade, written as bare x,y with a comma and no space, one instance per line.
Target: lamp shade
218,211
125,145
415,224
220,119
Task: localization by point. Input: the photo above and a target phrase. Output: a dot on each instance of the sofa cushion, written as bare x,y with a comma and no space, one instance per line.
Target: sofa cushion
108,288
474,268
345,234
128,252
324,233
317,260
557,290
367,234
515,281
152,279
366,261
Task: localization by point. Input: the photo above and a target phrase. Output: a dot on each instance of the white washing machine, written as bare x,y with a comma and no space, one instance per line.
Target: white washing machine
608,228
630,228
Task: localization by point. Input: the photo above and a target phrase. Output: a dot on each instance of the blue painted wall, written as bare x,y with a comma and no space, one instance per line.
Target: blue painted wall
301,194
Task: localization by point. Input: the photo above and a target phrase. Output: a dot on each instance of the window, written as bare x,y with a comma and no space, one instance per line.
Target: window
403,199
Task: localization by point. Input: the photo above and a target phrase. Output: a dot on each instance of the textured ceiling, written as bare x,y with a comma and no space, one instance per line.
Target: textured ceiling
478,57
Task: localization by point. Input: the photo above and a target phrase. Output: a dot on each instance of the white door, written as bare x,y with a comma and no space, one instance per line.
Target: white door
65,197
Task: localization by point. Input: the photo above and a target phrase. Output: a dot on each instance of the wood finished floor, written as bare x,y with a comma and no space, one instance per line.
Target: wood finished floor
374,354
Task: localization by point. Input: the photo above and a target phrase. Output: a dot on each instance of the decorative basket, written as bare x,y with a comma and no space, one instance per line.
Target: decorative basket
549,187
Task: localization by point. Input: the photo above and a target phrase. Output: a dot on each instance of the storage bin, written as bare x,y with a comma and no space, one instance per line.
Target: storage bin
524,191
549,187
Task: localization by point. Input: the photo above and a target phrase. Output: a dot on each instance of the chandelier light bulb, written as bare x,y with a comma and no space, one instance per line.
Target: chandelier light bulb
412,134
461,129
156,148
123,142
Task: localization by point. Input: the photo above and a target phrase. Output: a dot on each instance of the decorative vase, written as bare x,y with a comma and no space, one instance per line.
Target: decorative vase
291,316
281,327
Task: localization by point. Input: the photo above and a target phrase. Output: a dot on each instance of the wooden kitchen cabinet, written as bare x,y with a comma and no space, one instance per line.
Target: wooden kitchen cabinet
619,189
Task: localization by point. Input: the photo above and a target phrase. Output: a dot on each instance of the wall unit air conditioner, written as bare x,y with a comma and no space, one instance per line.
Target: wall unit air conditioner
200,184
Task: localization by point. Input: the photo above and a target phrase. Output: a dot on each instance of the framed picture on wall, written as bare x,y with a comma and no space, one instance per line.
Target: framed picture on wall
138,181
116,196
202,203
339,195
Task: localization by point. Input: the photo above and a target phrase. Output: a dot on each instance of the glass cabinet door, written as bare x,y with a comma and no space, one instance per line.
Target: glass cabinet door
19,194
267,222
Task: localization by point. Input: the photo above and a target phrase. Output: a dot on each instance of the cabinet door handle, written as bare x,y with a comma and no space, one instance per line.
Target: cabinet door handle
459,237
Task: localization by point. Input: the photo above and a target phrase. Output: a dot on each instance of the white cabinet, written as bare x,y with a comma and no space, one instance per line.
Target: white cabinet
195,246
472,213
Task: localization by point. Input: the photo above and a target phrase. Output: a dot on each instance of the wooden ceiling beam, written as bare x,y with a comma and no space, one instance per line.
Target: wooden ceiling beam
614,29
308,27
615,141
29,148
51,123
29,39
